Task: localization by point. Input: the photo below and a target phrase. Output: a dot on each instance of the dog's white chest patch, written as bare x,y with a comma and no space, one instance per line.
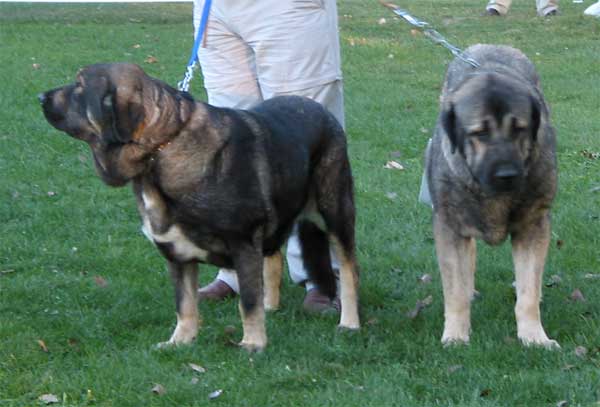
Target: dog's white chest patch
181,247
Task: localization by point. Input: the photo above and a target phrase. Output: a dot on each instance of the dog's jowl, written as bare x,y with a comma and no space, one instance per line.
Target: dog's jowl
220,186
491,171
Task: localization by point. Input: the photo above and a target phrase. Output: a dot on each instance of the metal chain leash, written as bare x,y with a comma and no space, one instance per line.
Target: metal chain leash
431,33
184,84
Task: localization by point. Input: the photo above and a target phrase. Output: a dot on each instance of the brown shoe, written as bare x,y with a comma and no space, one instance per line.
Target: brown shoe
491,12
216,291
317,303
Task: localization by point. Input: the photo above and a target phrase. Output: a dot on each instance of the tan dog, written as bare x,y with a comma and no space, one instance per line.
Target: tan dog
220,186
491,171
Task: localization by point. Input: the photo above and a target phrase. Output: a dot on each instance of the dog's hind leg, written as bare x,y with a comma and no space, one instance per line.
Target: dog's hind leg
272,270
335,203
529,247
185,282
456,259
248,263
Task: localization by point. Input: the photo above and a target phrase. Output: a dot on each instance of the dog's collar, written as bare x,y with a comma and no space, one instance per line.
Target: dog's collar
159,149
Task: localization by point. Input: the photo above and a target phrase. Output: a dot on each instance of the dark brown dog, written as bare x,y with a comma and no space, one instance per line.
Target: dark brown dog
492,172
220,186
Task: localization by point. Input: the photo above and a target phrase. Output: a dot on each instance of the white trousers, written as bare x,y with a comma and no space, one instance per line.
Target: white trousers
255,50
543,6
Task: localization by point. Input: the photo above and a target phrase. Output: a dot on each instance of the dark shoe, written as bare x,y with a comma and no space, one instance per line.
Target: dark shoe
317,303
491,12
552,13
216,291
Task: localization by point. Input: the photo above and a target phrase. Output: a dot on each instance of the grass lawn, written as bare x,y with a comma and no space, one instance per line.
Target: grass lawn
84,296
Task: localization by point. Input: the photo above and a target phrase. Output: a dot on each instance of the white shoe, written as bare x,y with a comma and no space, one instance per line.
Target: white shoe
593,10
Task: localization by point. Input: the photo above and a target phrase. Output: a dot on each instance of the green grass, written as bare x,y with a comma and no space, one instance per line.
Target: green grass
100,336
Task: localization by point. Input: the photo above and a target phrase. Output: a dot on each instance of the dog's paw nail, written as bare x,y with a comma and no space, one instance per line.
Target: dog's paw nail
348,328
252,347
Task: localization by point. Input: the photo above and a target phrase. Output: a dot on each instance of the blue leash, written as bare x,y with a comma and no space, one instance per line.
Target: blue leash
184,85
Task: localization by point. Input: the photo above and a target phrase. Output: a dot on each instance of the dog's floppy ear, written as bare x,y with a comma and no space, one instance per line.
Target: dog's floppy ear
448,121
99,97
535,117
128,113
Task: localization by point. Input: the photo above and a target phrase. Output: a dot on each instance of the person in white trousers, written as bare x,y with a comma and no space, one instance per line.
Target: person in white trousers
545,8
593,10
256,50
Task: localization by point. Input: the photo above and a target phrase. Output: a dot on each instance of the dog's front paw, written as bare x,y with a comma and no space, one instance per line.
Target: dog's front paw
456,331
448,341
185,332
533,334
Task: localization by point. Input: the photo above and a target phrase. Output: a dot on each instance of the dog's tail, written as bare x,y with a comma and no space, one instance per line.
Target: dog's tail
316,257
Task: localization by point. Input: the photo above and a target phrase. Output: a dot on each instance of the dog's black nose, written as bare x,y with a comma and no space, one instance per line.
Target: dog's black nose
506,172
42,98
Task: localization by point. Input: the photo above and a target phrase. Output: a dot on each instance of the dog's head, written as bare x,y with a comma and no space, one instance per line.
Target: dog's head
492,120
112,106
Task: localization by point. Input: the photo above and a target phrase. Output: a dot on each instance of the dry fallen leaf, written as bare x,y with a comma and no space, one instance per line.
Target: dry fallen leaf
136,46
36,66
419,306
395,165
381,21
159,389
592,155
7,271
100,282
577,295
51,193
197,368
425,279
135,20
151,59
215,394
555,280
48,398
581,351
42,345
454,368
414,32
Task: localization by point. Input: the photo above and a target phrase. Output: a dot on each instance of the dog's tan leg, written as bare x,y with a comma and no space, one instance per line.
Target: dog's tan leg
253,322
185,281
456,259
349,318
248,262
529,248
272,270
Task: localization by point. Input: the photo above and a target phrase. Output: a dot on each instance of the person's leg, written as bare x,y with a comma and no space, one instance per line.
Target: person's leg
300,55
593,10
230,80
500,6
546,7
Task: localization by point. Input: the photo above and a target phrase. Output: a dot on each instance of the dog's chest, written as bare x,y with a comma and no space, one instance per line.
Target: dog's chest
169,237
